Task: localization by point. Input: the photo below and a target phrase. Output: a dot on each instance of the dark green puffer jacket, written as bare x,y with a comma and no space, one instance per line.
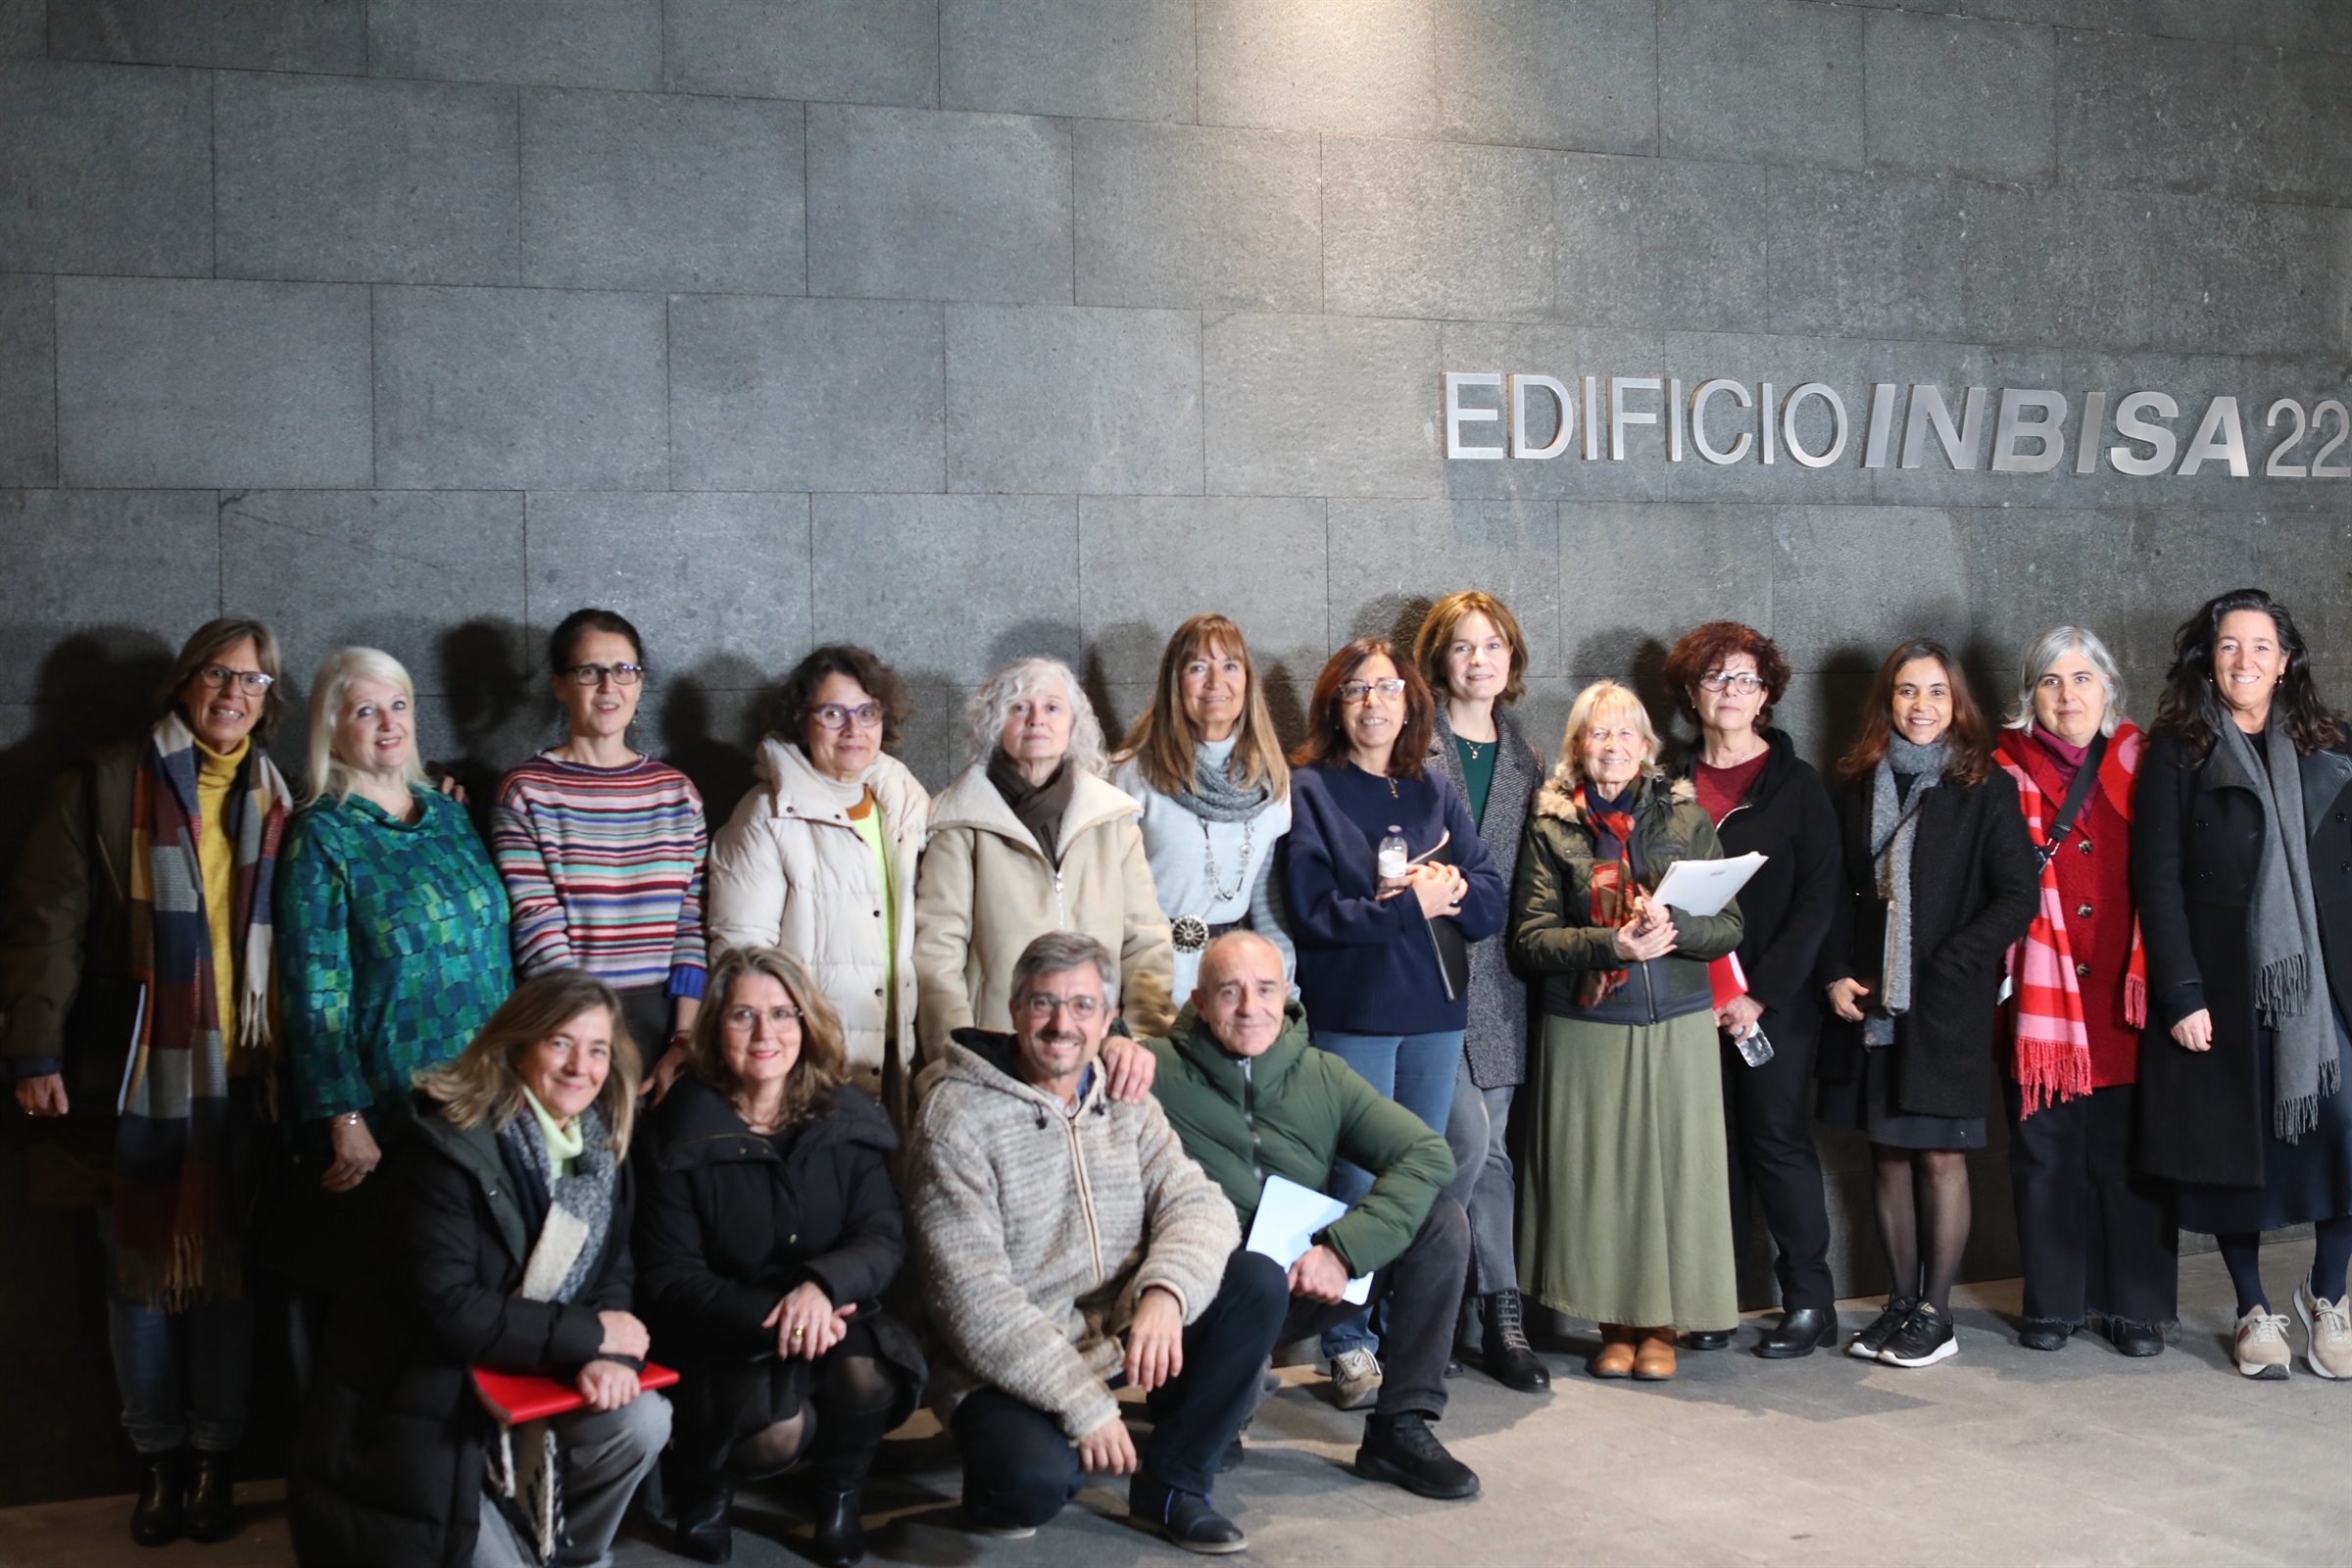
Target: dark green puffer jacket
1290,1113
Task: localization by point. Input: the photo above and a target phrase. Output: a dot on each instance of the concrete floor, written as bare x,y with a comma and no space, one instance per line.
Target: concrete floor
1999,1456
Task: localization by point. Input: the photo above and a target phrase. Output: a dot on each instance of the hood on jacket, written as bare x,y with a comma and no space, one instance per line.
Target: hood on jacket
983,1059
1191,1038
1557,798
696,1126
474,1151
795,787
972,802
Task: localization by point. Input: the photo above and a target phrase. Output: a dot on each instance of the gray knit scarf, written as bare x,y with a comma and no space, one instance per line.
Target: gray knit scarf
2282,935
580,1212
1893,832
1215,795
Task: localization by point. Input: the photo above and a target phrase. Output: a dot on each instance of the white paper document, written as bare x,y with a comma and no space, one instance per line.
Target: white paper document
1704,887
1287,1217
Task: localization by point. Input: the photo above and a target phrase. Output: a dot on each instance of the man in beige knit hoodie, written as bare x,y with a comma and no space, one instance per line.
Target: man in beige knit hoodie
1053,1222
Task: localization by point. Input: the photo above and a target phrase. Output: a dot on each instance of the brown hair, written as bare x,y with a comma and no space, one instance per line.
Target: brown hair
1972,738
483,1083
863,666
1326,743
1435,637
205,646
823,1064
1705,648
1163,739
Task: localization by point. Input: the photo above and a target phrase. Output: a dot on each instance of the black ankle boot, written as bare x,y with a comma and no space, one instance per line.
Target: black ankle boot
1800,1330
156,1518
840,1527
211,1495
703,1532
1510,1359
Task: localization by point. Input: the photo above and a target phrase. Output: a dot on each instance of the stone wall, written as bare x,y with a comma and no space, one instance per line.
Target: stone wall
970,329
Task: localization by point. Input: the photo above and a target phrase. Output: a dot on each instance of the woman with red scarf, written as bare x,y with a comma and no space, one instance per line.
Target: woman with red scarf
2094,1237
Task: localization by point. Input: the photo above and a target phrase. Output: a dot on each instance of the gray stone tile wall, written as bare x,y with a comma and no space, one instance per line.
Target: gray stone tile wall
974,328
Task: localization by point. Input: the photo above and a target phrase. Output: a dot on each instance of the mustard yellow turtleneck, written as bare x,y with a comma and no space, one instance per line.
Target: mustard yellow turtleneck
216,857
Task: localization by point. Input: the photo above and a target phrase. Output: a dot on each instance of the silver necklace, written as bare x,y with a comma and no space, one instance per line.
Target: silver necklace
1209,861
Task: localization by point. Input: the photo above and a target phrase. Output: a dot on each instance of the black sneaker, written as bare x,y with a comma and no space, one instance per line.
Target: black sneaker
2044,1334
1924,1338
1403,1450
1871,1341
1187,1518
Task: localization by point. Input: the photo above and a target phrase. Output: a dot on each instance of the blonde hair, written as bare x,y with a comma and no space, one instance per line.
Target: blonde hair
990,705
328,774
483,1083
1435,638
1599,700
1162,740
825,1059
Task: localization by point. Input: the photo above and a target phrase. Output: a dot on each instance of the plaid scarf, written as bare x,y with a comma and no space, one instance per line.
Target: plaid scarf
179,1158
2053,1056
1614,888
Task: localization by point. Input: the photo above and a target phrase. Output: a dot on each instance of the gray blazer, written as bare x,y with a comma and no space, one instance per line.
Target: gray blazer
1496,1041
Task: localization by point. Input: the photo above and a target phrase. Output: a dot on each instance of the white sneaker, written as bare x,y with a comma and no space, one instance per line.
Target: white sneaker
2326,1332
2262,1349
1356,1379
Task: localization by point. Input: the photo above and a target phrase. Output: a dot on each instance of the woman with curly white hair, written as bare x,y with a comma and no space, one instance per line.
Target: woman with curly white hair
1029,839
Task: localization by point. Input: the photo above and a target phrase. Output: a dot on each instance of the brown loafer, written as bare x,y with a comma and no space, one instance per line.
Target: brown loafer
1616,1357
1653,1358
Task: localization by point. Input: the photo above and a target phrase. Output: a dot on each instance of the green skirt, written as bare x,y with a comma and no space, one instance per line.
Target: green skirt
1625,1212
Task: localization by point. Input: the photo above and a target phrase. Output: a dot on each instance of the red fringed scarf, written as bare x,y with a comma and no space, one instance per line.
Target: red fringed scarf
1614,891
2052,1044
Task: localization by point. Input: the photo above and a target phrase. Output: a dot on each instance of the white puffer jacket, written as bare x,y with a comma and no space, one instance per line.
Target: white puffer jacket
987,892
791,870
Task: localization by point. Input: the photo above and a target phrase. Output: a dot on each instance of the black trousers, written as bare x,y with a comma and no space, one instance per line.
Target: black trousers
1423,1288
2094,1236
1020,1468
1768,1134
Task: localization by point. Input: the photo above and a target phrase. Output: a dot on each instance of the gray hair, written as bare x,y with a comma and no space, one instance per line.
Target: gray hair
2044,652
328,774
990,705
1058,951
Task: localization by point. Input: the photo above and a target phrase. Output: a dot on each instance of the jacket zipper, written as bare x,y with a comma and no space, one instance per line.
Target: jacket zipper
1062,919
1250,1119
1086,1192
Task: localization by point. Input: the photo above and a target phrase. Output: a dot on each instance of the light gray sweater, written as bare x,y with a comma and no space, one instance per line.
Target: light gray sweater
1179,852
1036,1231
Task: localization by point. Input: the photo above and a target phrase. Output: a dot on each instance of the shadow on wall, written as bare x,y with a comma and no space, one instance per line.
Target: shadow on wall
95,688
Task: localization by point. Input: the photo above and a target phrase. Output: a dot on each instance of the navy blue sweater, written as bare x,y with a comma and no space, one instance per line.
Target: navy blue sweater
1367,965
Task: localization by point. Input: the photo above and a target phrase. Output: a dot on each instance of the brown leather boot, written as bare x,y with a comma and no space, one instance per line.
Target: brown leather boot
1653,1358
1616,1357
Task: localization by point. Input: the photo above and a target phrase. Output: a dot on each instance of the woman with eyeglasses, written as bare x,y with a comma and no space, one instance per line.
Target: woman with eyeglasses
1387,883
1765,800
820,859
601,846
102,985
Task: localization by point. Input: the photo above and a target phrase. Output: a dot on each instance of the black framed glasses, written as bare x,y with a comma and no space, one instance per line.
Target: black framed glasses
594,674
218,676
1746,682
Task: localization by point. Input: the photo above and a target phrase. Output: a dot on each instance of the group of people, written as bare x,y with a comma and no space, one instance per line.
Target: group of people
872,1100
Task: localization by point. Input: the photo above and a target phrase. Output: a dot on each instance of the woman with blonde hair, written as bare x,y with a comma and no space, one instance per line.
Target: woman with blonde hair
1622,1217
766,1236
1030,839
1207,766
508,1202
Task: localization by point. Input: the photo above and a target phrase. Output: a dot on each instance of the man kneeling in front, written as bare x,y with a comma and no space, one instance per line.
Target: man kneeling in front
1052,1223
1251,1098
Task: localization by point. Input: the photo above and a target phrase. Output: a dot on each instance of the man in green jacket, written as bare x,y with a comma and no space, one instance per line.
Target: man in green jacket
1251,1098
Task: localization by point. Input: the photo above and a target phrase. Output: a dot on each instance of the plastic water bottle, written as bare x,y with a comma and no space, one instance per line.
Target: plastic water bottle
1396,860
1754,1048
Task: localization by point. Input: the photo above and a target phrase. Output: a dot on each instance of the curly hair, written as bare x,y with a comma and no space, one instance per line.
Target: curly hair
984,715
1326,743
1970,762
2191,710
797,703
1434,639
1705,648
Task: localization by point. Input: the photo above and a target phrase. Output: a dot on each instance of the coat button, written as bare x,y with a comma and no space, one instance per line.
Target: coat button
877,912
2204,876
2085,845
877,990
2082,912
2200,822
2083,969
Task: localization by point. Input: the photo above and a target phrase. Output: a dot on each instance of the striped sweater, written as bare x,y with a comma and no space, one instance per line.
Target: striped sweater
605,868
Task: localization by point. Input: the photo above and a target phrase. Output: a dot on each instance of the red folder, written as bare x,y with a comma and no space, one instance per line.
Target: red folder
1728,979
514,1397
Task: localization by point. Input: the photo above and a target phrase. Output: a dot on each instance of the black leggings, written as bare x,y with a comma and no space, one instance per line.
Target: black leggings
2331,1253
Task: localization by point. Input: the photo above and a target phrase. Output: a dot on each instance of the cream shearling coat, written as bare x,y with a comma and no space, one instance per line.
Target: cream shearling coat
986,892
790,870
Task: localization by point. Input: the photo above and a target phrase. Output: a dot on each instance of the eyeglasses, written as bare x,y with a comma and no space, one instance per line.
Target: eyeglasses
218,676
1040,1006
744,1019
833,716
591,675
1745,682
1360,691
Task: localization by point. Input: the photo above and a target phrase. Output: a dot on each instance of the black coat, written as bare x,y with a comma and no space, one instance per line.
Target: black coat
1786,906
1976,883
727,1226
2196,844
388,1465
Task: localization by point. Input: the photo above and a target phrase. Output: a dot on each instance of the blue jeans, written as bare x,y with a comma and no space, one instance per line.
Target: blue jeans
185,1377
1418,1072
